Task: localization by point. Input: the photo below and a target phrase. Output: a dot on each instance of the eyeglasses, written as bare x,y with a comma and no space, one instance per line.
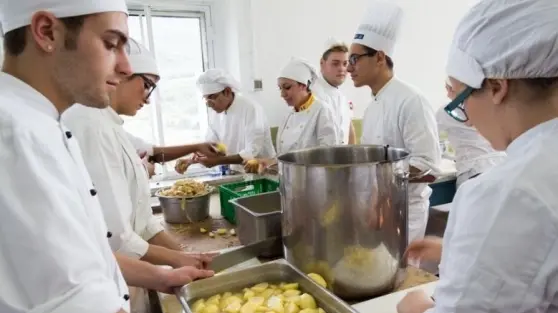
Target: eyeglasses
353,58
148,84
456,107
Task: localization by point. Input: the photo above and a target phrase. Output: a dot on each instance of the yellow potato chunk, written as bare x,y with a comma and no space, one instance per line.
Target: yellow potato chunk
292,308
249,294
259,288
308,311
211,308
213,300
198,307
320,310
233,307
267,293
307,301
291,292
318,279
221,147
290,286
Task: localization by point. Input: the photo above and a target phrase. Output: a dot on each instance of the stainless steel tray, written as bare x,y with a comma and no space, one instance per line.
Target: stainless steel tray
258,217
271,272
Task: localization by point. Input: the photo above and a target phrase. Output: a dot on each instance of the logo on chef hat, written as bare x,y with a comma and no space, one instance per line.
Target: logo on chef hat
359,36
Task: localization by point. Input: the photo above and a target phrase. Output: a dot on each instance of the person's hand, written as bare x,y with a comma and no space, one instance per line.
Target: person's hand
258,166
198,260
208,149
149,167
182,165
176,278
416,301
427,249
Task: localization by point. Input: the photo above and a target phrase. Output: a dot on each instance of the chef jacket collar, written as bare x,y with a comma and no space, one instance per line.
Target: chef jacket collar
378,95
326,83
29,96
111,113
232,108
517,147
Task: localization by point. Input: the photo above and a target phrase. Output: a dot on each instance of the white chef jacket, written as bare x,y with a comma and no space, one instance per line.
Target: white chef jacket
399,116
119,175
140,145
54,255
501,242
309,128
341,107
243,128
474,154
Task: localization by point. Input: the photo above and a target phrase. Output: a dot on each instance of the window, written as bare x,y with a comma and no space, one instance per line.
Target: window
177,114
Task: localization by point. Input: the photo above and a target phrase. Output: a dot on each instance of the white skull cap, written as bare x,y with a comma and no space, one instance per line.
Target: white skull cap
506,39
299,70
216,80
18,13
142,60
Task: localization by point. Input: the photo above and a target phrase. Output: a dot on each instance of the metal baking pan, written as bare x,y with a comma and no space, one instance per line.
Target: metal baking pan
271,272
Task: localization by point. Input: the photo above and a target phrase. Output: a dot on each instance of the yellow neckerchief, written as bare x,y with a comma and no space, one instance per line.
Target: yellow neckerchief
306,105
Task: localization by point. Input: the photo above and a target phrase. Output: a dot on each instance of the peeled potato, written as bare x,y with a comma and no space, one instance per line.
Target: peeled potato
260,298
221,147
318,279
307,301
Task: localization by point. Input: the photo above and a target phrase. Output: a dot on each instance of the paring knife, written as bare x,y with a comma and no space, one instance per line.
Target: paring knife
229,259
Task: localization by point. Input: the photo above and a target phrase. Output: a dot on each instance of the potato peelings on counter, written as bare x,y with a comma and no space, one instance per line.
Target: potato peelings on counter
263,297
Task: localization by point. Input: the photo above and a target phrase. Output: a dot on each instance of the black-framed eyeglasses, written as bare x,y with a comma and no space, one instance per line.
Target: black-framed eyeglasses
456,107
353,58
148,84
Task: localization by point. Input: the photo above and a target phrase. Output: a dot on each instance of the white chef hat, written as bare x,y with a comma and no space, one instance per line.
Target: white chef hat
380,26
142,60
216,80
299,70
505,39
331,42
17,13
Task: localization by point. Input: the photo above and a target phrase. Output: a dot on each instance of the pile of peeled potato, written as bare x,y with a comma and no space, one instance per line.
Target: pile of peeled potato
264,298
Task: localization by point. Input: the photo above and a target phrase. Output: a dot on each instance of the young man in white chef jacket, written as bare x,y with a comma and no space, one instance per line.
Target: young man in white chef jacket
237,122
333,70
118,172
55,253
399,115
500,248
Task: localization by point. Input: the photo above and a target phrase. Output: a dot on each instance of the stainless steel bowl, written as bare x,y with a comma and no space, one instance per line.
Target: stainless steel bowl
182,210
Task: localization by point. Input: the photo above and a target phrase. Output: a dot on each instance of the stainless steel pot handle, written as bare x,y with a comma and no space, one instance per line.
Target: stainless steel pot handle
178,293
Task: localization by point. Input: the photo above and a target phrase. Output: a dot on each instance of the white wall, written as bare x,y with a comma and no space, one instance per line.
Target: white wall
255,38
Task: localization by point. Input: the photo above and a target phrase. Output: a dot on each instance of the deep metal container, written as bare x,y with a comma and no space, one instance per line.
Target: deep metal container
345,215
258,217
271,272
184,210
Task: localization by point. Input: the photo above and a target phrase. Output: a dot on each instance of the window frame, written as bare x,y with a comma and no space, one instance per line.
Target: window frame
203,14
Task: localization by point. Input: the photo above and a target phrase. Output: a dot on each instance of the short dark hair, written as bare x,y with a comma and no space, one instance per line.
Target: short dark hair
335,48
372,52
15,40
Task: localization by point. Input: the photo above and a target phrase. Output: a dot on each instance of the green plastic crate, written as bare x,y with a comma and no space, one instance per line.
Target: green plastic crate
242,189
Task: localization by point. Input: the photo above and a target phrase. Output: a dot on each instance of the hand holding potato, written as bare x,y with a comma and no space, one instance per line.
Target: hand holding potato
182,165
258,166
